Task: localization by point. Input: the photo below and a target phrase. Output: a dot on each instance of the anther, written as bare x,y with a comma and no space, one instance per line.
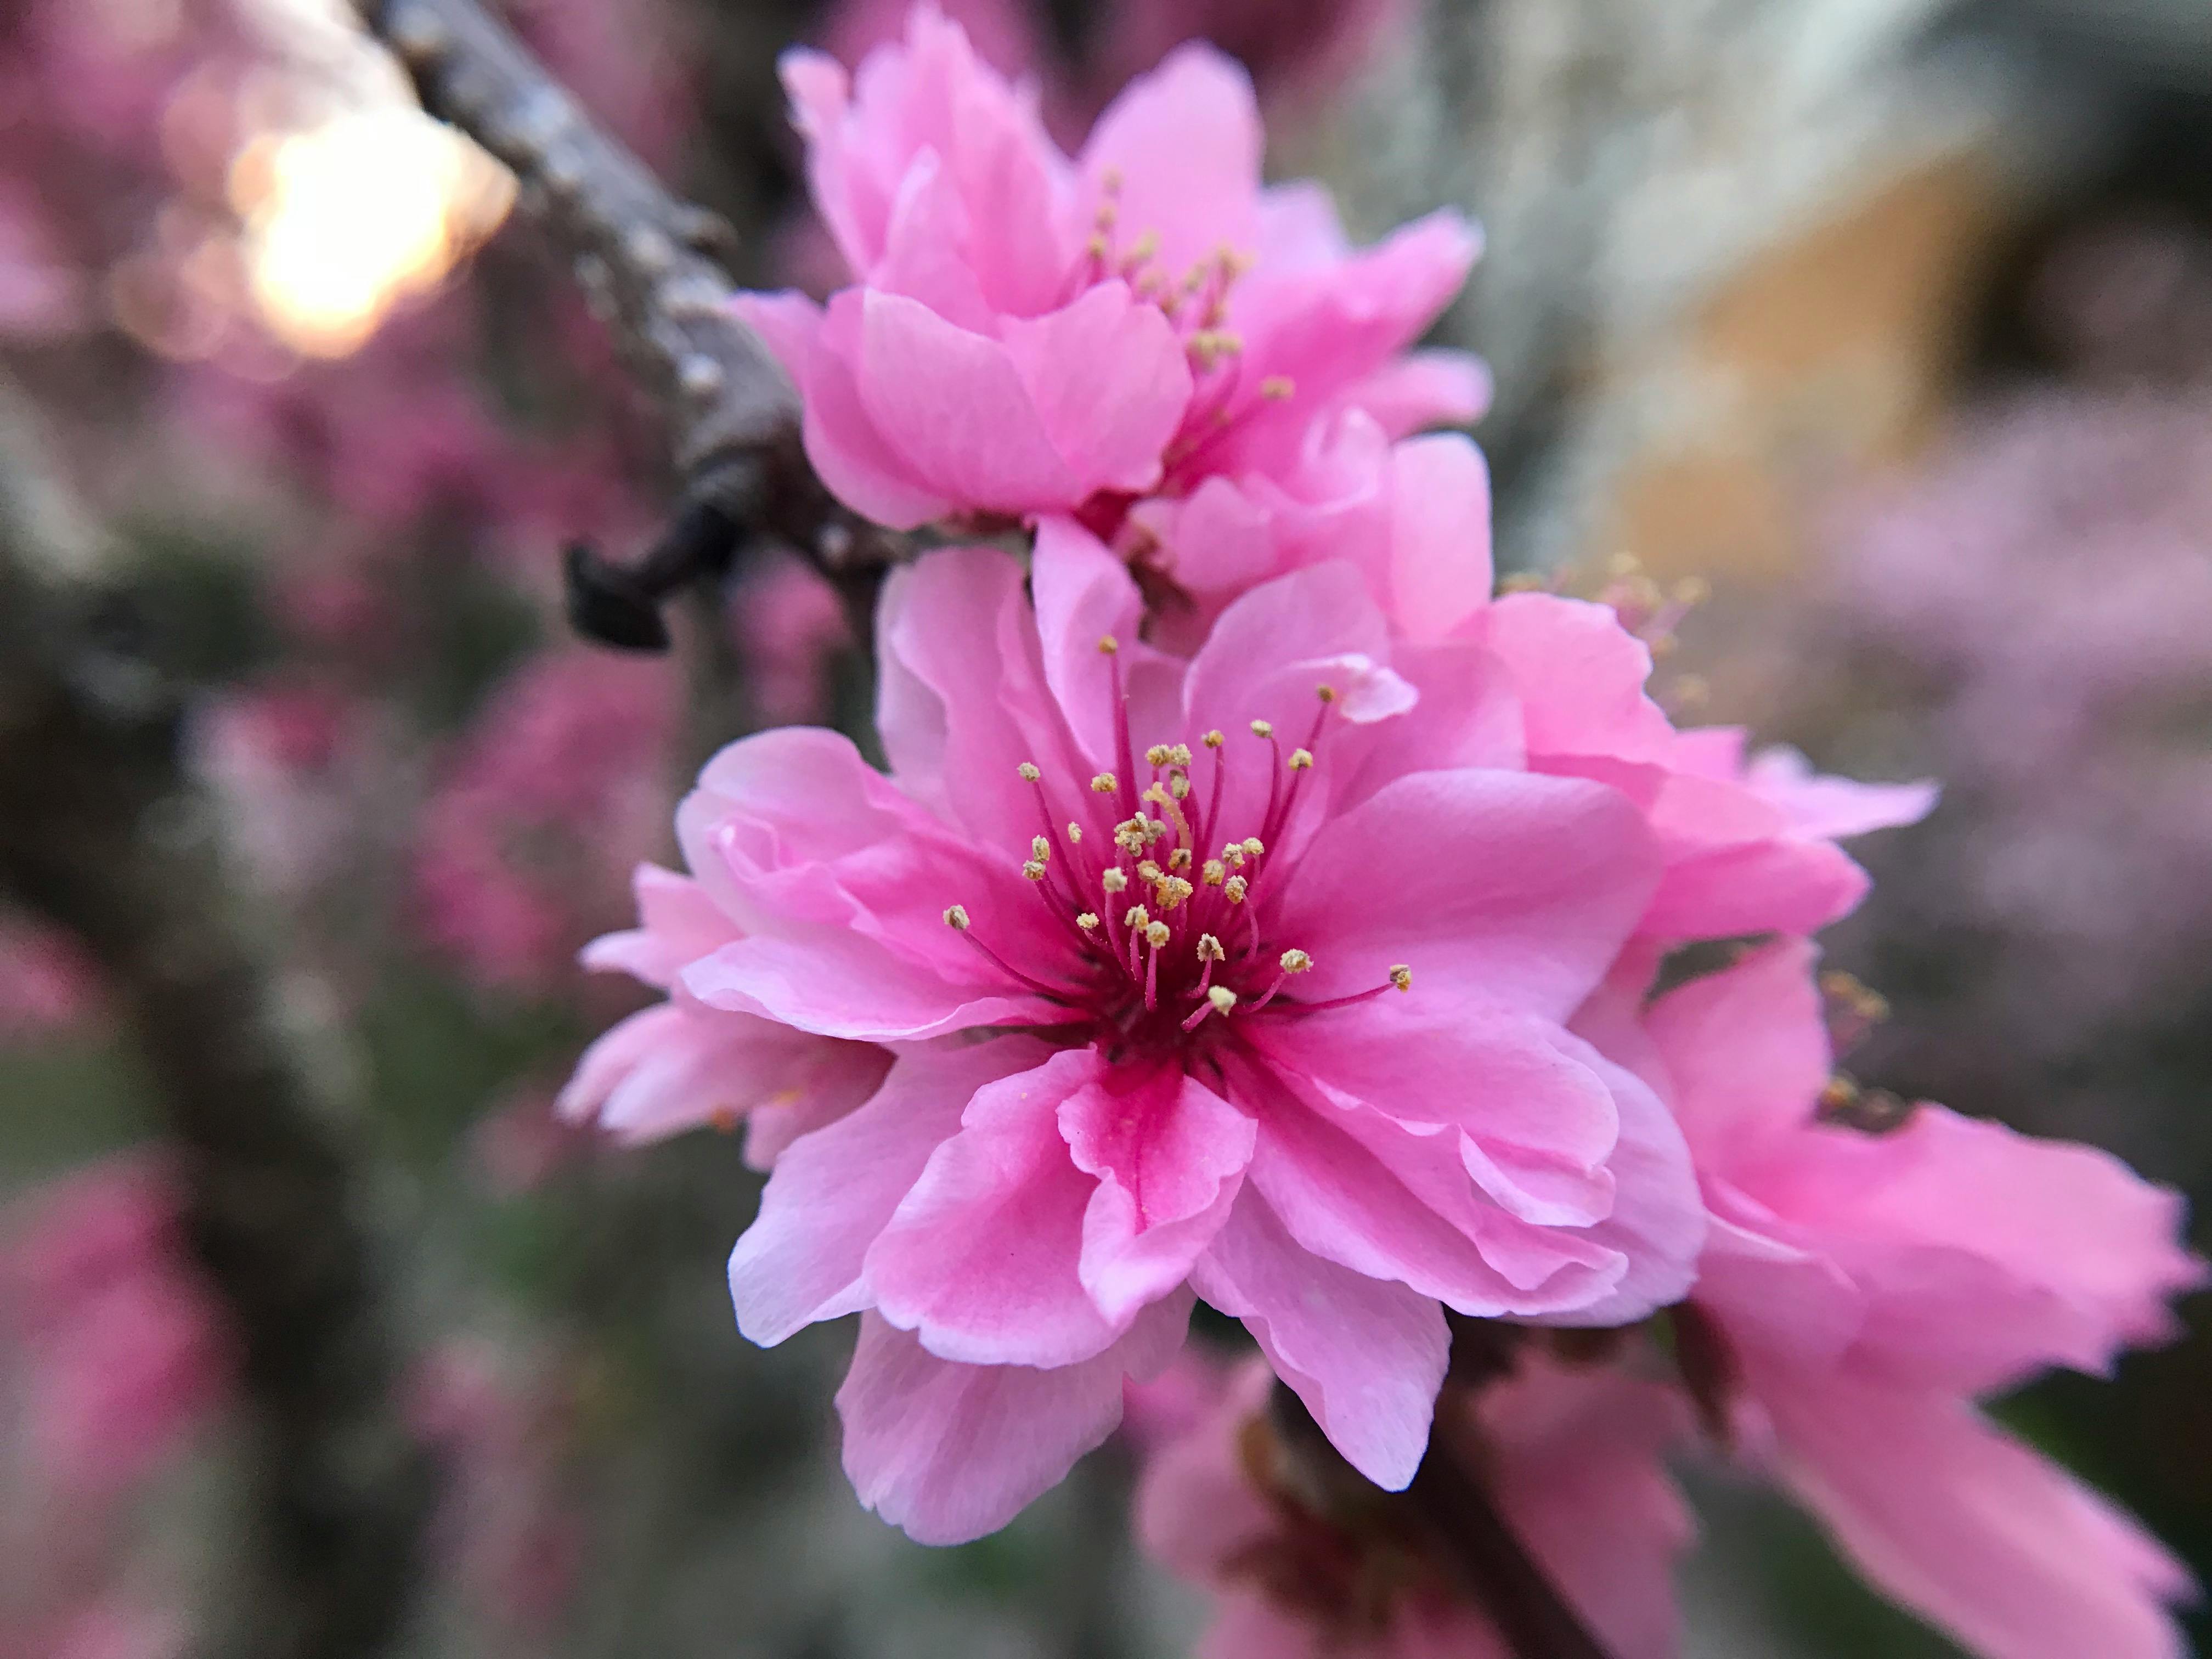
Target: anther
1074,832
1157,935
1105,783
1029,774
1401,977
1279,388
1252,848
1113,881
1148,871
1138,918
1263,728
1033,869
1179,786
956,918
1180,859
1214,739
1108,645
1209,948
1326,693
1301,759
1212,872
1172,892
1040,848
1158,755
1234,888
1088,921
1222,998
1298,962
1179,755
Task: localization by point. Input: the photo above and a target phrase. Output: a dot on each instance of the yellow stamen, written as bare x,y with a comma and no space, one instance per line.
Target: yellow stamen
1402,977
1234,888
1179,755
1301,759
1172,892
1033,869
1214,739
1074,832
1252,848
1209,948
1137,919
1029,774
1156,755
1105,783
1263,728
1040,848
1179,786
1326,693
1113,881
1296,962
1222,998
1279,388
1108,645
1148,870
956,918
1087,921
1157,934
1212,872
1180,859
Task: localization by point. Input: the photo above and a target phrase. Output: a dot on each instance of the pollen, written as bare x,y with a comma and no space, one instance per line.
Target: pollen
1138,918
1113,881
1252,848
1301,759
1088,921
1040,848
1234,888
1214,739
1158,755
1108,645
1209,948
1211,872
1401,977
1180,859
1179,755
1279,388
1157,935
1263,728
1029,771
1105,783
1033,869
1172,892
1222,998
1179,786
956,918
1296,962
1148,871
1326,693
1074,833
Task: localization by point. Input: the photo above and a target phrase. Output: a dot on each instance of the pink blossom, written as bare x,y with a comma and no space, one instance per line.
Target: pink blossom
682,1064
1318,1078
45,982
122,1345
1029,333
790,624
1571,1455
1866,1289
553,796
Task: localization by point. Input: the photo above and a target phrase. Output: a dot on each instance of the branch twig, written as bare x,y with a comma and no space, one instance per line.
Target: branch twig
103,833
1462,1523
646,263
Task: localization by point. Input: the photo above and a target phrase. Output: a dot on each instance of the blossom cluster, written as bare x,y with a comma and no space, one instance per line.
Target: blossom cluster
1258,909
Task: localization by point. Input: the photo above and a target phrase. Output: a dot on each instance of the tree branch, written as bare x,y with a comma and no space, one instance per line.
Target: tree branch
1493,1567
645,261
103,832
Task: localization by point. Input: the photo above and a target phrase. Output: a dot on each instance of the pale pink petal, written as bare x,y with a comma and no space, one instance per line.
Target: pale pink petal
951,405
1499,887
1422,389
981,1259
1581,675
1366,1355
1169,1155
950,1452
1439,535
1835,809
1746,1051
853,458
1185,142
1970,1528
836,1189
678,923
1109,381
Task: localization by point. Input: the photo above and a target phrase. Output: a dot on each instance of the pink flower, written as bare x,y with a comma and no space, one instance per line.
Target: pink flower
46,982
1864,1289
790,625
1750,846
1030,333
550,800
1571,1455
681,1065
1317,1076
122,1345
